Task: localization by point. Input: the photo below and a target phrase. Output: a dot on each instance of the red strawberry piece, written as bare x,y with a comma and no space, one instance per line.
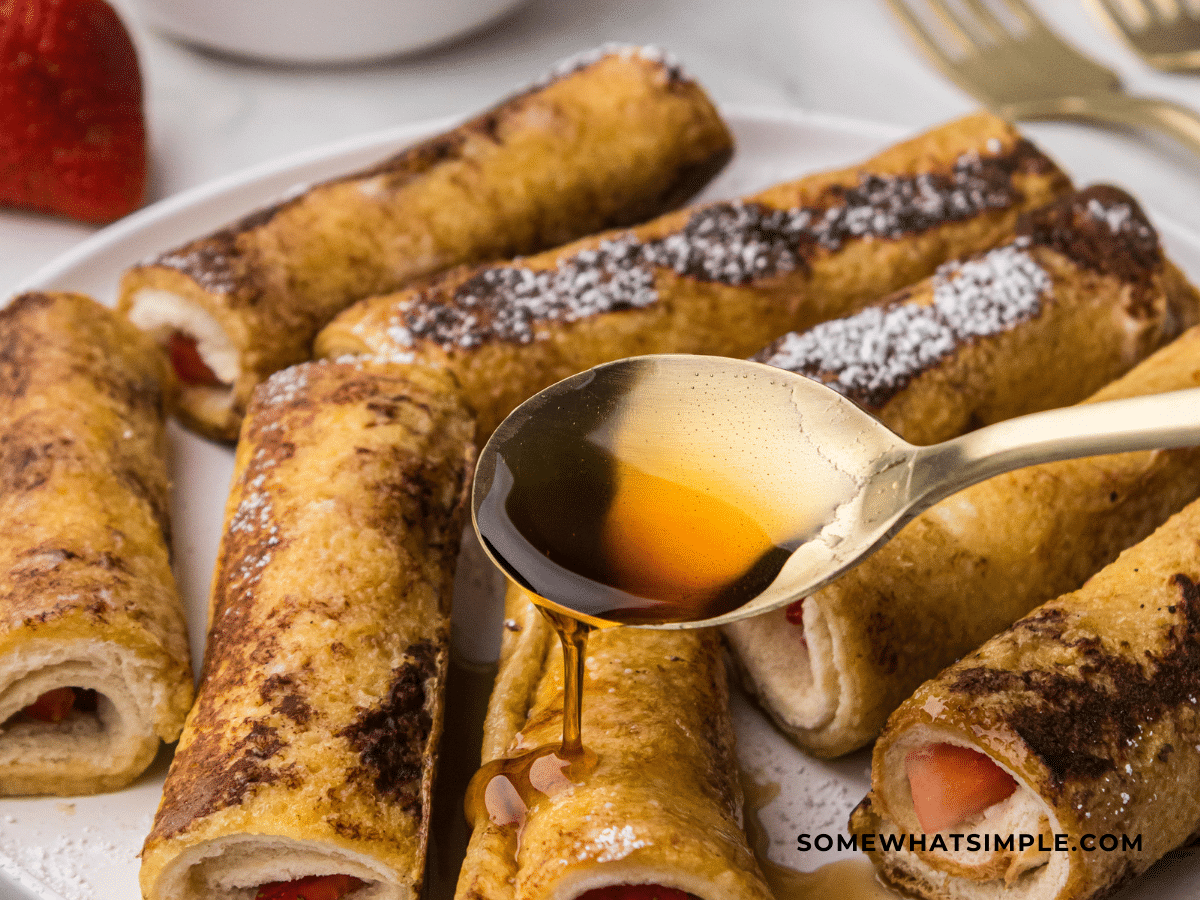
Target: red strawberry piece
951,784
636,892
189,364
72,134
52,706
795,612
314,887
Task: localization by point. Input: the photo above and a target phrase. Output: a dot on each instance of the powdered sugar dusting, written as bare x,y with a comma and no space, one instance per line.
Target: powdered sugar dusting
254,518
506,302
734,243
893,206
613,843
209,264
253,530
213,261
874,353
78,851
1116,216
284,386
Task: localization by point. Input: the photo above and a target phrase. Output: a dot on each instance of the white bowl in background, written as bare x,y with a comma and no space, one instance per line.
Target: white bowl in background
319,31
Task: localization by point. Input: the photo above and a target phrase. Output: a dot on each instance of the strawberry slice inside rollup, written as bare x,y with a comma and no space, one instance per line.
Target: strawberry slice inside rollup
52,706
314,887
795,612
795,616
189,365
636,892
951,784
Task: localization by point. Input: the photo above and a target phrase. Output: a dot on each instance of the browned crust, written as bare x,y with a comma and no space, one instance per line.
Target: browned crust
1092,700
810,272
343,521
1109,299
84,553
1125,247
609,144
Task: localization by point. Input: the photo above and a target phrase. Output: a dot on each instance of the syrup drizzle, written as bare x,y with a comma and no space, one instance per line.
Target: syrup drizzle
505,790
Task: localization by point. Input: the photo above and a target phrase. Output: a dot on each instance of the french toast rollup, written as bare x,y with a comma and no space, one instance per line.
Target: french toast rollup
94,664
1079,724
310,750
831,668
724,278
662,805
1076,299
611,138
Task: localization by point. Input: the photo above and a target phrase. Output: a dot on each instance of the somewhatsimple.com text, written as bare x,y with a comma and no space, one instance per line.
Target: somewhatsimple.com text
972,843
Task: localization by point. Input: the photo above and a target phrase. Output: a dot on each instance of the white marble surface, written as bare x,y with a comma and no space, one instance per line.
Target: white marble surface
210,116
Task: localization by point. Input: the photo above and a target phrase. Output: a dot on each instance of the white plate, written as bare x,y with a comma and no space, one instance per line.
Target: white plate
86,848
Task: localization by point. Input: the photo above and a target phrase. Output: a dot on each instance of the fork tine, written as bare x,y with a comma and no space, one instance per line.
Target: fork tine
1020,10
987,20
953,21
1168,10
1152,11
932,46
1118,10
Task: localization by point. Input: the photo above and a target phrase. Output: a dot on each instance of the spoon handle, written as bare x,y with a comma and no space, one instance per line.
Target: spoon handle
1154,422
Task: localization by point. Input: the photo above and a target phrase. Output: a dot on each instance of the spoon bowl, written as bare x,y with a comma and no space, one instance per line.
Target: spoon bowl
745,486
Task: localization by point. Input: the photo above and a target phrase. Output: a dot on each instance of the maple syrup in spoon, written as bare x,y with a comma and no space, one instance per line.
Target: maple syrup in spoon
621,496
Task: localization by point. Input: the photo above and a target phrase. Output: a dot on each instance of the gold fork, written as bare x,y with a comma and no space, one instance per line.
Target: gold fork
1020,69
1165,33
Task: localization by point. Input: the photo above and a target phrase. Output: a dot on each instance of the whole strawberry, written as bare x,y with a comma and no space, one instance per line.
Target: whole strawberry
72,134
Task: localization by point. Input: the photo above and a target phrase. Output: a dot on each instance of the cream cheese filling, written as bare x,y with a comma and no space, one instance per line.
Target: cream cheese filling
162,313
234,868
792,668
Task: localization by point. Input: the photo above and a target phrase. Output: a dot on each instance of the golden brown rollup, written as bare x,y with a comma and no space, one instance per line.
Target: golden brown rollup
1089,706
1081,295
94,666
963,571
611,138
725,278
662,806
310,748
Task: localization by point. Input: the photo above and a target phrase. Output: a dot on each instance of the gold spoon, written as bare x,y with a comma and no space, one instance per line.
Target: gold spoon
755,455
